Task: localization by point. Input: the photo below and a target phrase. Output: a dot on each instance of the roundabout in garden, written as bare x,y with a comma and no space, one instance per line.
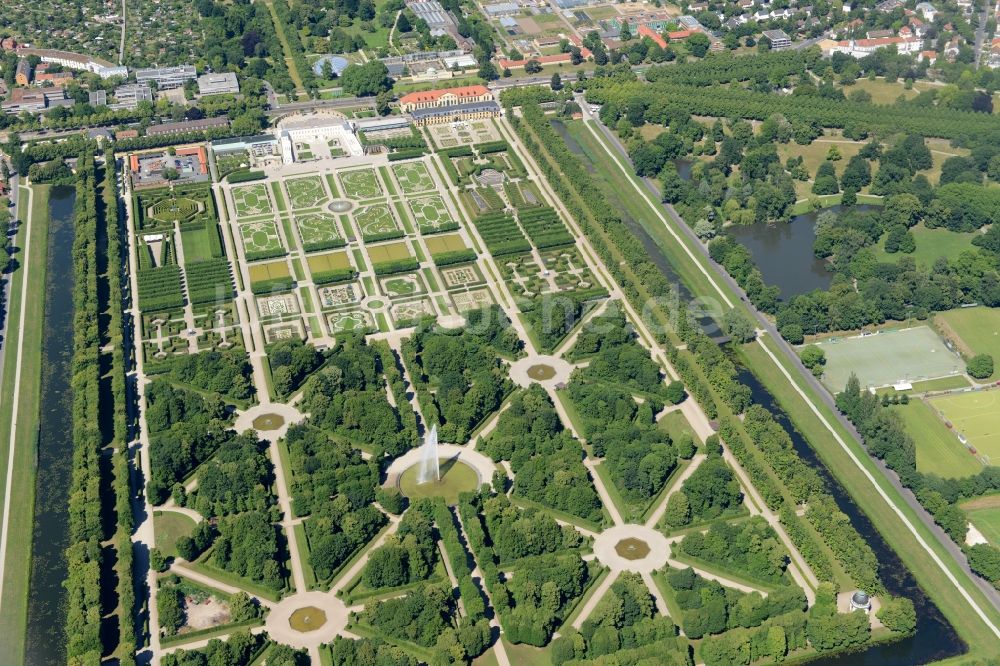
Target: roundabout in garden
632,548
548,371
307,620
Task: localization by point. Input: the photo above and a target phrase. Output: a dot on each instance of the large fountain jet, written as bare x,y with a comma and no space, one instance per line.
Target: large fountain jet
430,467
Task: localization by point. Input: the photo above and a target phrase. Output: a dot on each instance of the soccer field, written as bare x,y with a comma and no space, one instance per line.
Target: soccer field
974,331
938,449
911,354
976,415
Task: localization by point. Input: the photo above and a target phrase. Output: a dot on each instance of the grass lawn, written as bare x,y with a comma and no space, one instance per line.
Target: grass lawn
882,91
168,527
676,424
844,461
455,477
815,153
269,271
488,658
526,655
389,252
196,241
975,415
984,512
973,331
938,449
20,522
445,243
931,245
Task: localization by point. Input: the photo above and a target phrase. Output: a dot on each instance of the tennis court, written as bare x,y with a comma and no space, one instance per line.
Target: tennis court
887,357
976,415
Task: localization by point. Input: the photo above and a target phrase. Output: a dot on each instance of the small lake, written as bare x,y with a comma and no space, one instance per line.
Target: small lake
46,597
784,252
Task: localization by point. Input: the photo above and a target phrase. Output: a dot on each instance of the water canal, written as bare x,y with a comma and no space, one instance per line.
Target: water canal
46,601
934,638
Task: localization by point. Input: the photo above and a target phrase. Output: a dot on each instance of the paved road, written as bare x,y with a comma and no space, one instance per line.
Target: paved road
981,32
804,376
25,281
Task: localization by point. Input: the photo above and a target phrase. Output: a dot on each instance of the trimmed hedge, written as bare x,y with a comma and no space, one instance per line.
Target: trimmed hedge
160,288
492,147
458,151
407,154
245,176
454,257
272,285
338,275
398,266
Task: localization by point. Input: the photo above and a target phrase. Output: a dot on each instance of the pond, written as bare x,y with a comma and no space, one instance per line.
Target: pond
784,252
46,596
934,638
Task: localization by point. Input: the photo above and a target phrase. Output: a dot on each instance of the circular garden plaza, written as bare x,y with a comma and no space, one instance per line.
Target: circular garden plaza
376,433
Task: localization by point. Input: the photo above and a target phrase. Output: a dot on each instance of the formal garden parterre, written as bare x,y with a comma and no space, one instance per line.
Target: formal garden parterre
304,512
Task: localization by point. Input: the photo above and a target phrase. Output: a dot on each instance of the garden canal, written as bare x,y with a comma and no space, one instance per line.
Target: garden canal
934,639
46,600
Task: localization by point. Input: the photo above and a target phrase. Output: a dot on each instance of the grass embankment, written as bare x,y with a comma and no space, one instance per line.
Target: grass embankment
17,567
951,597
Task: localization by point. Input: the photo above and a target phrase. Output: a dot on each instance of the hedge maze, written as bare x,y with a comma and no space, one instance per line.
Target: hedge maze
161,207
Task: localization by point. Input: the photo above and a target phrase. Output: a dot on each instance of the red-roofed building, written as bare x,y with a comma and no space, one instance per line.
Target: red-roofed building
859,48
647,32
445,97
542,60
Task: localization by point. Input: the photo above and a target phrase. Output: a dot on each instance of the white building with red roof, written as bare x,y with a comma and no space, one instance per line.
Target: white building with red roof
429,99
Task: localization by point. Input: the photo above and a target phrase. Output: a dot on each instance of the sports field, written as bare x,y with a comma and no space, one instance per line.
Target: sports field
974,331
910,354
976,415
938,449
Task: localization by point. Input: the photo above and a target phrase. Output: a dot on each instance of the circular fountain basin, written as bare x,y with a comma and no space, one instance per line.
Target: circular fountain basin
456,477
